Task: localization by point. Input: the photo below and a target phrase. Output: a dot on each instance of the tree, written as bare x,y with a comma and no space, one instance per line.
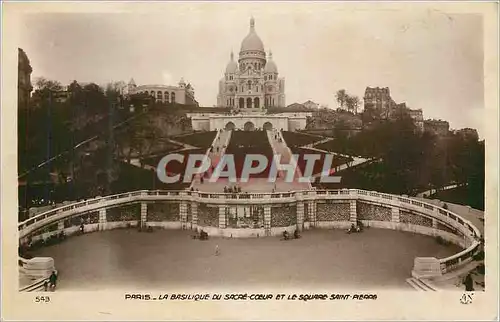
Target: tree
43,84
352,103
341,97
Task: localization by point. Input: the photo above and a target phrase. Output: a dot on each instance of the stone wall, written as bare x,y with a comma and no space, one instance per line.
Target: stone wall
366,211
244,217
332,211
442,227
124,213
46,229
163,211
414,219
91,218
283,215
208,216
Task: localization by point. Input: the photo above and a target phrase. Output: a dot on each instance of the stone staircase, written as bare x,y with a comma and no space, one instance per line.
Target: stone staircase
421,285
319,142
219,144
281,148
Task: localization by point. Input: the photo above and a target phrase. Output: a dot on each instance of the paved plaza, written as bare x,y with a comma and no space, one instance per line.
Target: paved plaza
170,259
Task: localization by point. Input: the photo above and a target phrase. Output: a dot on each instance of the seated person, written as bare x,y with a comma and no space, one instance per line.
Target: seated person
352,229
285,235
296,234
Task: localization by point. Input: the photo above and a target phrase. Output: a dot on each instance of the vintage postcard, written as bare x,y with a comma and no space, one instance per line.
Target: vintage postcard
249,160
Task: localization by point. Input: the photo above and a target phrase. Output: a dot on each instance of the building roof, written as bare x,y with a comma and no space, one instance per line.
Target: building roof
296,105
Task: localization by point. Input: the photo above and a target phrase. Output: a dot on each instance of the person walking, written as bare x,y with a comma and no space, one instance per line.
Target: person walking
469,283
217,250
53,280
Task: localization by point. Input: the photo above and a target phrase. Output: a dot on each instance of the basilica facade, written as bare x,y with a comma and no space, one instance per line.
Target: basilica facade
252,82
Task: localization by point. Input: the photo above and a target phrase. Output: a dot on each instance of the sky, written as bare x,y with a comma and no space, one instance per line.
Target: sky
429,59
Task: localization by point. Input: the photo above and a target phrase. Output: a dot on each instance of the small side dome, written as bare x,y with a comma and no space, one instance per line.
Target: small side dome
232,66
270,65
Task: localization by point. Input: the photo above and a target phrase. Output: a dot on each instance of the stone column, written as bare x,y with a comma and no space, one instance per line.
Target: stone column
144,214
194,213
353,216
60,225
434,223
312,213
183,213
102,218
395,215
267,220
222,217
300,215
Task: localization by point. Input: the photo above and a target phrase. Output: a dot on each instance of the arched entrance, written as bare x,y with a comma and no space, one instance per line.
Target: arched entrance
249,126
230,126
256,103
267,126
249,102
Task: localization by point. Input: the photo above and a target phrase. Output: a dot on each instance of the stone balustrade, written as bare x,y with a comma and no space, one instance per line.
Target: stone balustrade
278,212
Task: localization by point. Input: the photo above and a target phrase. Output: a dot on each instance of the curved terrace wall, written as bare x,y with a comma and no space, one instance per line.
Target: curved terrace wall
264,214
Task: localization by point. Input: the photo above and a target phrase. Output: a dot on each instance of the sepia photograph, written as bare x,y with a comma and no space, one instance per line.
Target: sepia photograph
257,147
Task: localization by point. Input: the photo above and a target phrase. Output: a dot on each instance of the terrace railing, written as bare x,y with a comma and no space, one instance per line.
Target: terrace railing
471,233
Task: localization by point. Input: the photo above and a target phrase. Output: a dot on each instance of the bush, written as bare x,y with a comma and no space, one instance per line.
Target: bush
478,256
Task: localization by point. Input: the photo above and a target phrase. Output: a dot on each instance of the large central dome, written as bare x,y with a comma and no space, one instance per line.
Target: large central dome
252,41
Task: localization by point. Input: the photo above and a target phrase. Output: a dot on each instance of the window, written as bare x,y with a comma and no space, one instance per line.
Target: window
167,97
173,97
